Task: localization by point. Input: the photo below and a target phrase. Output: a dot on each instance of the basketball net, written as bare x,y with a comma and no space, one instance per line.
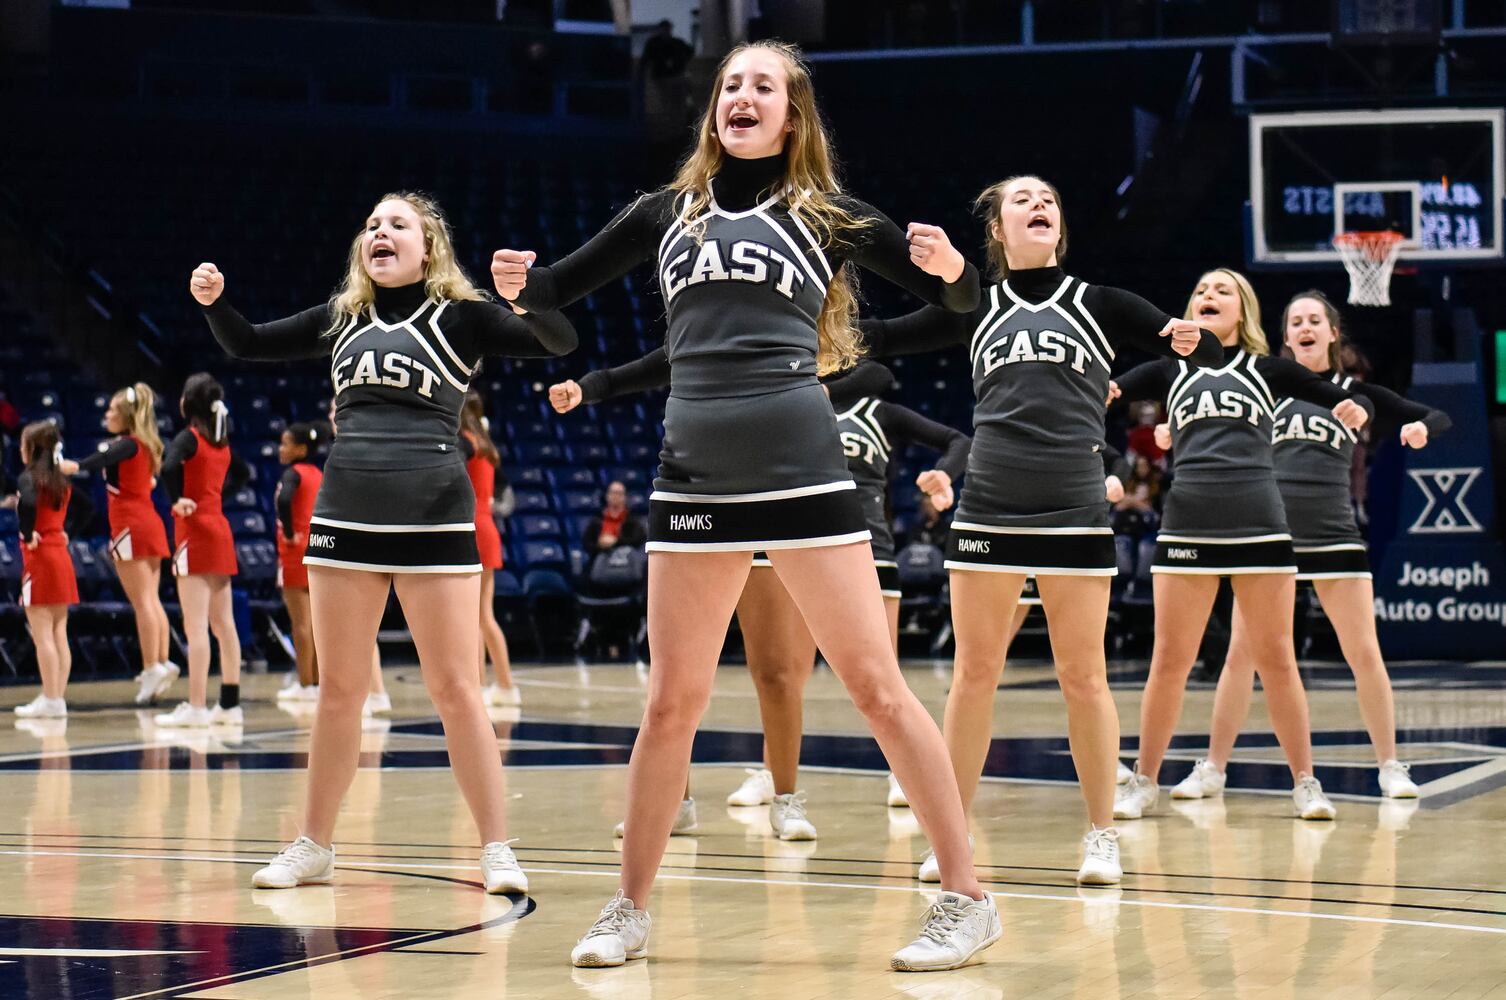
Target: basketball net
1369,257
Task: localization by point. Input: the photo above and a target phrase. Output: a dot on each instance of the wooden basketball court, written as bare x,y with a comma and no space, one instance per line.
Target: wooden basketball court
126,854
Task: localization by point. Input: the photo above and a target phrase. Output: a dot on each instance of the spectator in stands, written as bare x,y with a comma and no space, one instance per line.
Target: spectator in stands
1136,512
615,525
665,57
931,525
1142,436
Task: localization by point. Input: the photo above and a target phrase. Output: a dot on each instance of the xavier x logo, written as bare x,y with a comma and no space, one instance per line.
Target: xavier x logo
1446,512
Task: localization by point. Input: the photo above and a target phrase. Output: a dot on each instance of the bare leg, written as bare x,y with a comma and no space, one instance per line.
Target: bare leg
139,579
378,686
493,641
437,606
1183,602
44,638
691,596
1236,686
222,623
781,655
297,601
64,653
1266,600
193,596
347,610
1350,606
983,604
837,591
1077,613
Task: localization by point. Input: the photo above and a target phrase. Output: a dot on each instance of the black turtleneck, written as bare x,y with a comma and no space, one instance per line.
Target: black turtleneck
479,329
633,237
1123,317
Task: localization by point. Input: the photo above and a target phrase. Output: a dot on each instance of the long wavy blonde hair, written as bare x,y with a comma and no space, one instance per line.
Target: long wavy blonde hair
137,405
810,190
1252,339
444,278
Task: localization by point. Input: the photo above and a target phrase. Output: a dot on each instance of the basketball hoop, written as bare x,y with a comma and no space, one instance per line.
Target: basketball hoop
1369,257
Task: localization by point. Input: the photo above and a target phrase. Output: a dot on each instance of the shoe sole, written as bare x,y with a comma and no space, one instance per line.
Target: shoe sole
1098,878
1408,794
506,887
798,835
928,881
733,801
1326,817
591,960
316,880
899,965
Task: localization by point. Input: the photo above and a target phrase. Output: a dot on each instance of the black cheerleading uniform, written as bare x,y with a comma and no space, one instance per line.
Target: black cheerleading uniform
1223,514
1040,344
1313,457
751,457
395,496
871,431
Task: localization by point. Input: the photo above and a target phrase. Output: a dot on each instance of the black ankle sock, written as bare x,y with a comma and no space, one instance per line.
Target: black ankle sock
230,695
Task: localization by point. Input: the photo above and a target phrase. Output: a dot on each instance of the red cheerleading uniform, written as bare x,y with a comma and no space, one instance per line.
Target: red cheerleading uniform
295,505
483,476
136,529
47,570
203,543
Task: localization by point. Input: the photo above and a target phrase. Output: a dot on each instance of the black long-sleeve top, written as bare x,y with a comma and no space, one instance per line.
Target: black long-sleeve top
1041,346
186,446
400,371
743,283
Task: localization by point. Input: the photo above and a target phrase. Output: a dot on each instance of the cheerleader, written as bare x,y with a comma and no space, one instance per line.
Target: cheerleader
403,334
48,585
138,540
776,641
1224,517
484,467
1040,345
753,241
295,505
198,469
1313,458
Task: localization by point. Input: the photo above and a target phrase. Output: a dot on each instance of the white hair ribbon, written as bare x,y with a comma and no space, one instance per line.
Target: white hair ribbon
221,418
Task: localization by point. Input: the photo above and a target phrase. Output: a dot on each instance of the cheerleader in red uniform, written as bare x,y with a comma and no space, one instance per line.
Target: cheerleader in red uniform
483,465
197,469
295,505
48,585
138,539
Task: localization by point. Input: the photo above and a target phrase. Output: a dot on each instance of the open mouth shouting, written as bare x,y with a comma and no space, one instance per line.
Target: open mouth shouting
741,121
382,252
1039,222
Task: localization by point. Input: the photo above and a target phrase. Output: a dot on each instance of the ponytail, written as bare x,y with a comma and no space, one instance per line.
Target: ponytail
44,447
138,405
204,406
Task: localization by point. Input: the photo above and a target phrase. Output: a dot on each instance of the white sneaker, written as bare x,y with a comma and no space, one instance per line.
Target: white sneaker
757,788
1395,781
1123,775
376,704
1204,782
619,934
43,707
227,716
897,798
1100,858
302,862
930,868
954,929
154,681
788,819
1308,797
500,870
685,821
501,697
185,716
1136,798
290,692
307,693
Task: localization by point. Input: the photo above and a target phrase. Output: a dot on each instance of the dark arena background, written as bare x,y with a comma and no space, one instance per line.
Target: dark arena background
1354,148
